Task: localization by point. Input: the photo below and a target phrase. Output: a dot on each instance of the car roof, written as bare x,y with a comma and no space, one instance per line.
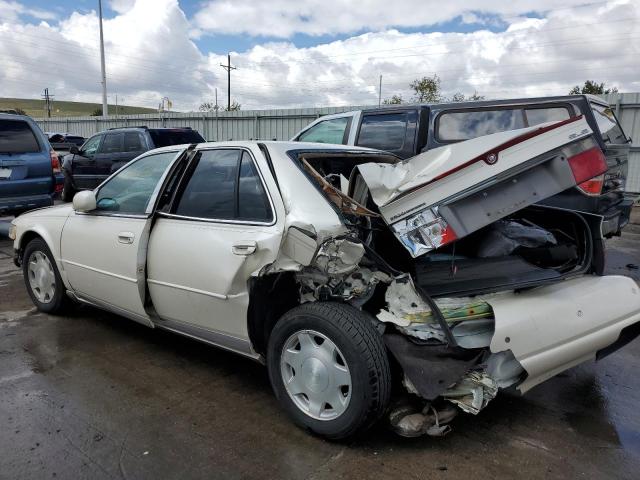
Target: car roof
14,116
283,146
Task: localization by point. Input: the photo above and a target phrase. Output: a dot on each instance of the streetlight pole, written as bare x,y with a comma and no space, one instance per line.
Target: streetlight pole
104,74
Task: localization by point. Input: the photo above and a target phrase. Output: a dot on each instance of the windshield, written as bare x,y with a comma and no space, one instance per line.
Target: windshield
175,136
608,124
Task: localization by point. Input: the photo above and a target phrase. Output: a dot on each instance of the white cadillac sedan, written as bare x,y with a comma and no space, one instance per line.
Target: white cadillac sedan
347,271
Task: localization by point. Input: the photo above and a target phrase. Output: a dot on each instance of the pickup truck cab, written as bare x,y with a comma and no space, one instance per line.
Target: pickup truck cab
106,152
407,130
28,166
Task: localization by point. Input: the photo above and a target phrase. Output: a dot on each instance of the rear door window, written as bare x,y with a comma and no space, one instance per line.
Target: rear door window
225,185
608,124
16,136
112,143
383,131
133,142
333,130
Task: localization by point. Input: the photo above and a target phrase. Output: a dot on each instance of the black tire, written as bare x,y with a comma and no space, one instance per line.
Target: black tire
67,189
353,332
59,300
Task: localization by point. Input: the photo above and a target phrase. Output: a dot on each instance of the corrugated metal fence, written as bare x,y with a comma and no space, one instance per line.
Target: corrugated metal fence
243,125
284,123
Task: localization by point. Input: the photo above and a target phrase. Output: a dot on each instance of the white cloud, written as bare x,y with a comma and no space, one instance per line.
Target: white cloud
11,11
150,54
284,18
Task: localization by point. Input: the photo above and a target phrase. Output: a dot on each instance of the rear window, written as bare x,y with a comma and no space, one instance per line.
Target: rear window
165,138
464,125
384,132
16,136
608,124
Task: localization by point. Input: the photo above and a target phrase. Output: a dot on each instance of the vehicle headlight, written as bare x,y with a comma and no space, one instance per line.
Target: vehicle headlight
12,231
423,232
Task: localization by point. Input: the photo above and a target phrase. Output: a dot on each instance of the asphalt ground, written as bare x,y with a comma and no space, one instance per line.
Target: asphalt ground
93,395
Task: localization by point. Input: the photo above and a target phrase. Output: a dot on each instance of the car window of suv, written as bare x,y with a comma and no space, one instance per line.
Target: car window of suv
130,190
112,143
333,130
91,146
463,125
383,131
16,136
133,142
536,116
608,124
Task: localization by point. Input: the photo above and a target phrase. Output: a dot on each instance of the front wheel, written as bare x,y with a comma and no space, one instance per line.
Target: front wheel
329,369
67,189
42,278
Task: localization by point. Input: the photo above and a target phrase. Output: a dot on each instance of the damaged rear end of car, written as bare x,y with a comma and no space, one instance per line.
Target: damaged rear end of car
472,285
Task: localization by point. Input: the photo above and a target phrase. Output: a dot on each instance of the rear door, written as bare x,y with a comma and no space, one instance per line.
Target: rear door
221,227
25,164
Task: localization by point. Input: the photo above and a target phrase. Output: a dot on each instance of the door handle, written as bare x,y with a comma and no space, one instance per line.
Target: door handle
126,237
244,248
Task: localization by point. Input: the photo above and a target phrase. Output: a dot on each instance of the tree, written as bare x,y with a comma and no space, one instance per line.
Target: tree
593,88
460,97
207,107
394,100
235,107
426,89
18,110
97,112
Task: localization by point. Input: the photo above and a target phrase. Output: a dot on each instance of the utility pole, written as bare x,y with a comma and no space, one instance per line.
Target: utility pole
47,102
116,105
380,92
228,68
104,74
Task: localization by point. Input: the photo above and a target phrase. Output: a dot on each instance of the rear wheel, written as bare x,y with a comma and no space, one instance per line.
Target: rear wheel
42,278
67,189
329,369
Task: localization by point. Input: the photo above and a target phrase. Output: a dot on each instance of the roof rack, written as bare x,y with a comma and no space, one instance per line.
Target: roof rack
129,126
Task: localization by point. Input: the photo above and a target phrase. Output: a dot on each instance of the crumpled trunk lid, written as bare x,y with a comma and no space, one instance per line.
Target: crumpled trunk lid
447,193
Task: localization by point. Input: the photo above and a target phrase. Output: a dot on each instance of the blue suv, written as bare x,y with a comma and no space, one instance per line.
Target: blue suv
30,172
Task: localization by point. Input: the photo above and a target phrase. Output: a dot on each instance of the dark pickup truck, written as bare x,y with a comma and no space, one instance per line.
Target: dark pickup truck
407,130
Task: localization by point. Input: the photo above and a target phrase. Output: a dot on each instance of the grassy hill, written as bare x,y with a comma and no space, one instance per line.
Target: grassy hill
35,108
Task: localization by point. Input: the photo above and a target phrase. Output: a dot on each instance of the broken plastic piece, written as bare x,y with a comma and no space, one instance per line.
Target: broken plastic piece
473,392
408,422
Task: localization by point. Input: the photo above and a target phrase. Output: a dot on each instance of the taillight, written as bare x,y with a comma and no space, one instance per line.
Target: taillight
588,164
593,186
55,162
424,231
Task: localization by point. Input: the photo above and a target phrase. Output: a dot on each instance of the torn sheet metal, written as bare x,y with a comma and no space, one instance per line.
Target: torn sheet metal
345,203
339,256
473,392
431,368
407,421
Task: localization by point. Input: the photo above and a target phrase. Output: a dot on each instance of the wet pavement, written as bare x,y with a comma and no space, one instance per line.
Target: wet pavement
95,396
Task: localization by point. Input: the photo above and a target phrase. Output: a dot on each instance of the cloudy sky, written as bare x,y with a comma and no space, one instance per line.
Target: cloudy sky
294,53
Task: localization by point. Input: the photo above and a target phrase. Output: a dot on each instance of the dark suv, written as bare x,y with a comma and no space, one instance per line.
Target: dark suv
407,130
105,152
29,168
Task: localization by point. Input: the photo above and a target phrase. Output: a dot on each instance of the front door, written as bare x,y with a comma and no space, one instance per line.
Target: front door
104,251
203,250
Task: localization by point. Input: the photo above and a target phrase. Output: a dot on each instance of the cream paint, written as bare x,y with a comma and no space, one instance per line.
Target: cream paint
388,181
552,328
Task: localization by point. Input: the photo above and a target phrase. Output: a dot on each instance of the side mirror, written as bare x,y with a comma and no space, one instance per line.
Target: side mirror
74,150
84,201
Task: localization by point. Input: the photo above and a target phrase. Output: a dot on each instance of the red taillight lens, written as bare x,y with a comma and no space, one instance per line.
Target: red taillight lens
593,186
588,164
58,188
55,162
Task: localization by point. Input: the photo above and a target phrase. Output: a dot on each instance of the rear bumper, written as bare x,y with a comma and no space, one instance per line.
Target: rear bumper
553,328
10,205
